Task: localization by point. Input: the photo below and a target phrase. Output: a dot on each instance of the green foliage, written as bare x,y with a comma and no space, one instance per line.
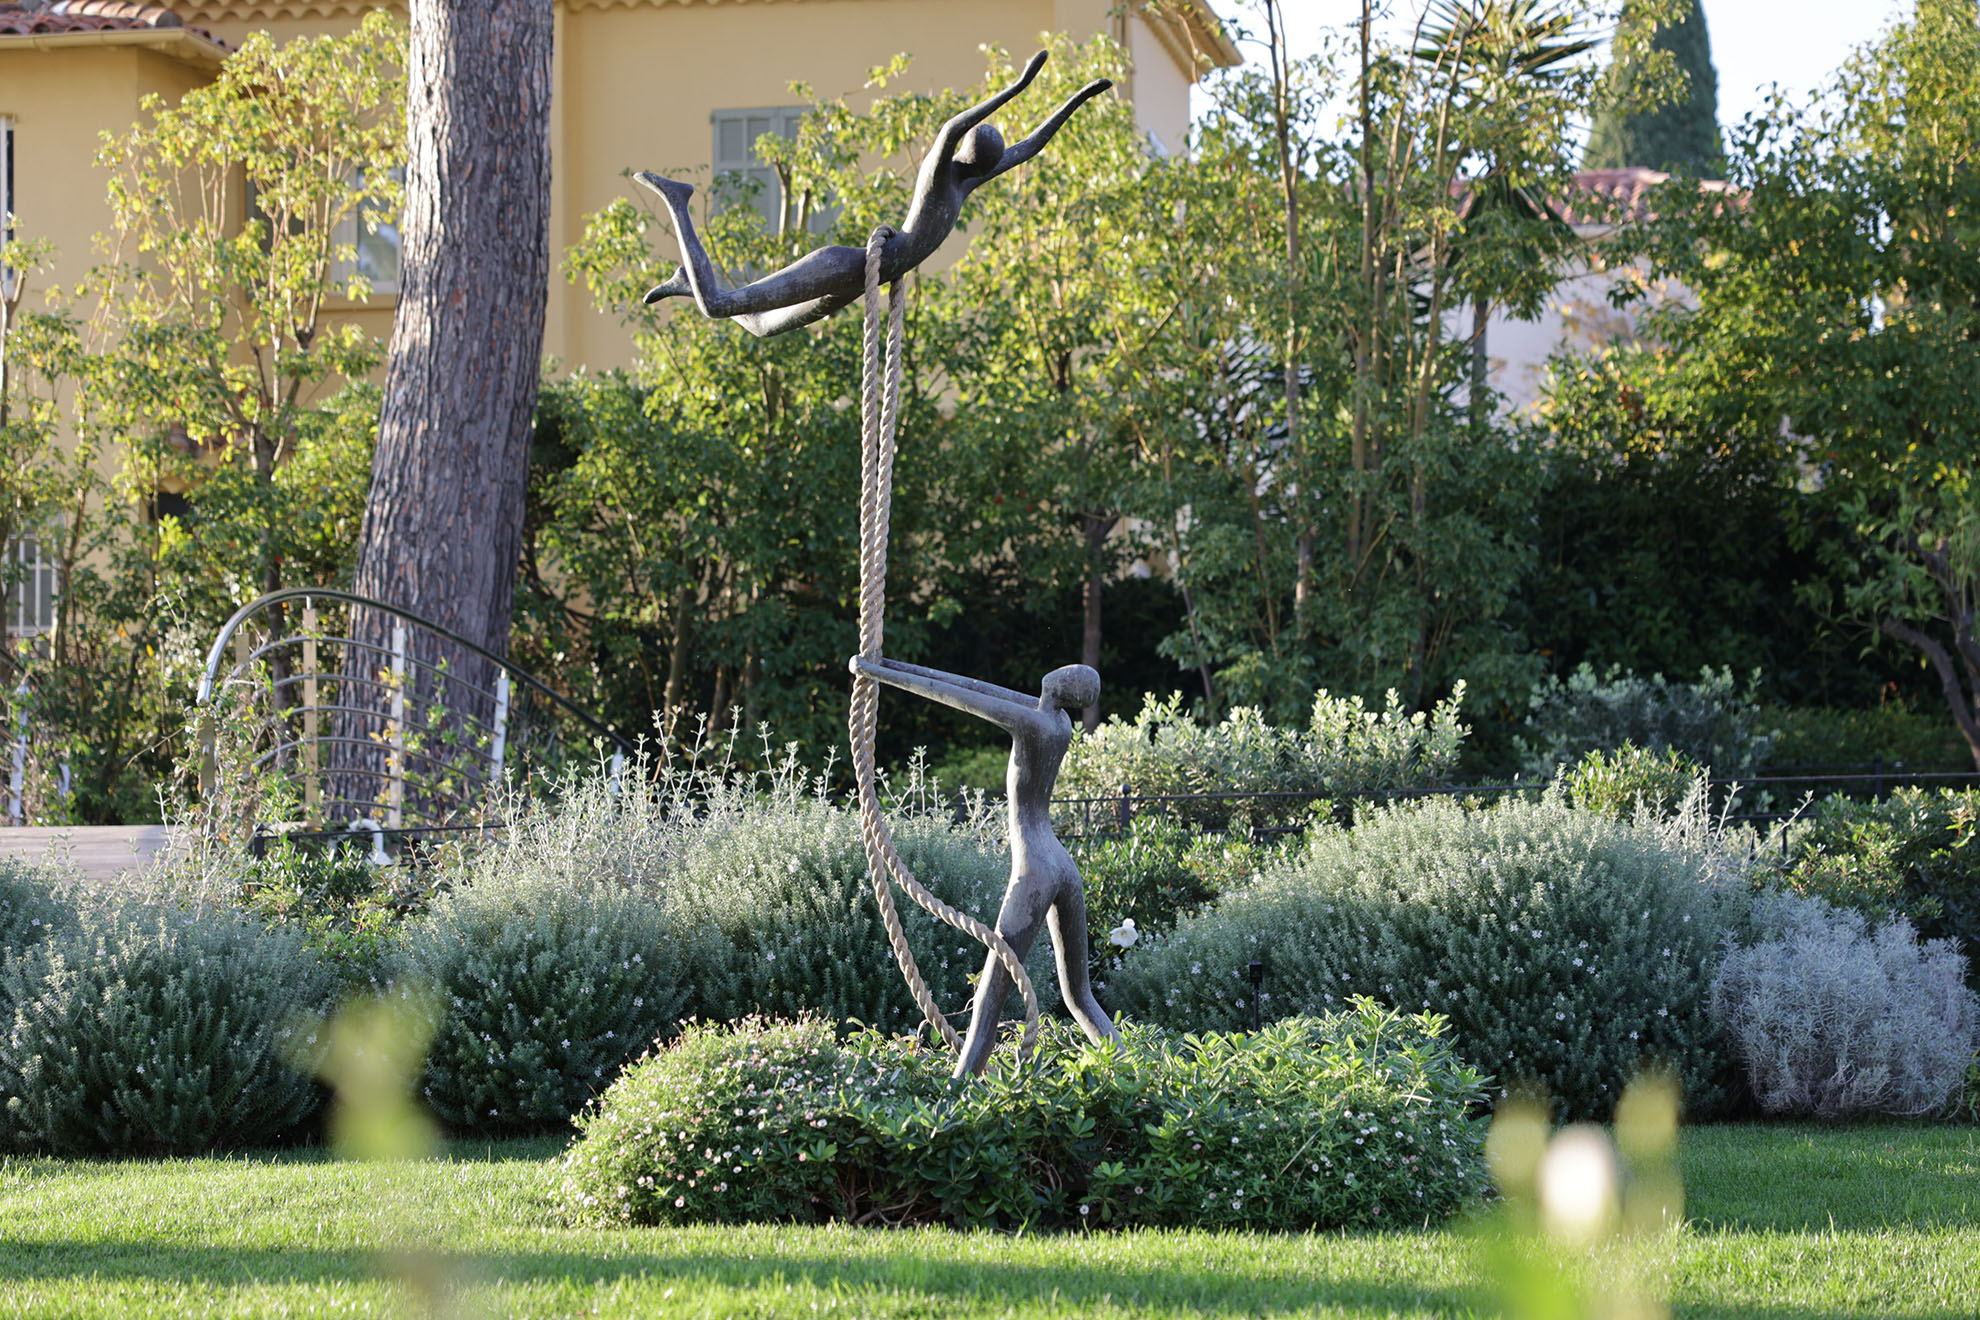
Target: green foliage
1914,855
543,989
1895,733
146,1028
1831,1017
1567,949
345,908
1161,869
1682,134
1346,748
1630,779
784,887
1358,1119
29,907
1712,723
1843,294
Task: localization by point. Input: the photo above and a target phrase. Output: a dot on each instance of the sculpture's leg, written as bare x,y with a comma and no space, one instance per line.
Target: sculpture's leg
709,295
674,286
1067,920
1025,905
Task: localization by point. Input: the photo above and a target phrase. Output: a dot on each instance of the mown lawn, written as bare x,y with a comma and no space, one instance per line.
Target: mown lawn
1785,1223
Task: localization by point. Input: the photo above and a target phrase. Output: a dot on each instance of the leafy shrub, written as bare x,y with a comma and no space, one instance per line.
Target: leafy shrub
1893,733
1631,779
1915,855
343,906
1357,1119
1714,722
1345,748
1566,948
544,990
1832,1017
1158,871
145,1028
783,886
29,909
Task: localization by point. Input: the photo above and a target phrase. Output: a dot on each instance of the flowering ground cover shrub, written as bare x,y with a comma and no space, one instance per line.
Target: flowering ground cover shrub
1566,948
1916,855
1345,748
1834,1017
543,989
148,1028
1356,1119
1714,722
783,886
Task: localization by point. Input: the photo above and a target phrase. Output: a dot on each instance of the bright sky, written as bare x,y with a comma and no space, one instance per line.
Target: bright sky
1795,43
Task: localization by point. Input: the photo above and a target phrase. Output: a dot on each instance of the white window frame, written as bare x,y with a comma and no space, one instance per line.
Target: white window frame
31,582
350,232
742,162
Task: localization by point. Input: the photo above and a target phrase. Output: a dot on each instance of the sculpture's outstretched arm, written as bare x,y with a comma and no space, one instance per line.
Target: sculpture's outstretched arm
952,132
1019,152
974,684
1010,716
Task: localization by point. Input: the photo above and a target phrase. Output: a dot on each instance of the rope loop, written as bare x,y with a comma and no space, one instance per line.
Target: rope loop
880,403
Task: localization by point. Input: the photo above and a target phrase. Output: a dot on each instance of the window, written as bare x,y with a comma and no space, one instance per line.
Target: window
374,235
10,279
30,585
736,161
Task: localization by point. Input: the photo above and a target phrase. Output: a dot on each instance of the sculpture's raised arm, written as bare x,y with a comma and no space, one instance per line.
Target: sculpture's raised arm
951,135
1006,709
1019,152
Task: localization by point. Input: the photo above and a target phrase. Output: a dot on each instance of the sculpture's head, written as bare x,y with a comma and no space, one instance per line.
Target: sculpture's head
1071,687
981,148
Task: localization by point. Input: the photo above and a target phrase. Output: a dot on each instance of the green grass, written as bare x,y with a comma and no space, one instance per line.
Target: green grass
1785,1223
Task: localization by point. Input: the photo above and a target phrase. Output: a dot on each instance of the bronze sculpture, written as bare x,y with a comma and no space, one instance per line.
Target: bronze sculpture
1045,883
968,153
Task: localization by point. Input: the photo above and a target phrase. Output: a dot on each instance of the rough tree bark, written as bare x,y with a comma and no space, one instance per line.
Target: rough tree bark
443,523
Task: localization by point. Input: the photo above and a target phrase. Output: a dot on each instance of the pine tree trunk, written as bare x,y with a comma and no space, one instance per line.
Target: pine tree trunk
443,524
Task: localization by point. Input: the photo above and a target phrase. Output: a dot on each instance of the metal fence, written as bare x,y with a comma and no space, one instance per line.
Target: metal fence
310,731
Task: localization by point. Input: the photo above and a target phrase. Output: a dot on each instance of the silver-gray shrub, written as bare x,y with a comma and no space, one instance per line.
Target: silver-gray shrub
1568,949
1831,1015
146,1027
1714,721
545,985
29,906
784,885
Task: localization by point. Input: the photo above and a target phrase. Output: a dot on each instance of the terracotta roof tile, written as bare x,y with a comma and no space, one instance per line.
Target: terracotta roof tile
28,18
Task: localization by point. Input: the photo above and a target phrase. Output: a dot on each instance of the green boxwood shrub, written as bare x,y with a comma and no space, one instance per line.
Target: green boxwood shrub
1631,779
1714,722
1914,855
1893,733
1832,1017
1358,1119
544,989
1159,870
783,885
1567,949
146,1028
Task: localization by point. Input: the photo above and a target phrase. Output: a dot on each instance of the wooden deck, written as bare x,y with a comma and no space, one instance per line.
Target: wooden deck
104,852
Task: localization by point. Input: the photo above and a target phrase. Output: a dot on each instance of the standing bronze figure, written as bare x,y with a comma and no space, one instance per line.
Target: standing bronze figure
967,154
1045,884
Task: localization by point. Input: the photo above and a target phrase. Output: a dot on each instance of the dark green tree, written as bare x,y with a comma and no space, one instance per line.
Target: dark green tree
1681,134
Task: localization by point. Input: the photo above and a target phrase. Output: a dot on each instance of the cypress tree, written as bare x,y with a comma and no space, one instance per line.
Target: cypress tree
1683,134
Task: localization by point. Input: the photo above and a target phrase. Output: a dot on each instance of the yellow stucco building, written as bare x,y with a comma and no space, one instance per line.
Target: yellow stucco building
675,85
682,86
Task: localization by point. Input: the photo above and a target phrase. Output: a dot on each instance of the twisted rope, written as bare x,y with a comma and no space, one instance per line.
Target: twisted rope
880,414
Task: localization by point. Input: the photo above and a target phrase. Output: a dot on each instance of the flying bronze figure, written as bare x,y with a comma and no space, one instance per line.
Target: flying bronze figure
968,153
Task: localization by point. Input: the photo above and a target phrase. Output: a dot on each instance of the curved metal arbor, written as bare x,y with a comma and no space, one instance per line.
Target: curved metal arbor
394,744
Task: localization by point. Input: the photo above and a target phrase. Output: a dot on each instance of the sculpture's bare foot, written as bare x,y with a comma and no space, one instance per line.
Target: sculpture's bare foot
672,191
674,286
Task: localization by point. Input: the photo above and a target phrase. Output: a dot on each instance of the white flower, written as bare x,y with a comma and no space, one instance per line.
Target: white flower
1124,935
